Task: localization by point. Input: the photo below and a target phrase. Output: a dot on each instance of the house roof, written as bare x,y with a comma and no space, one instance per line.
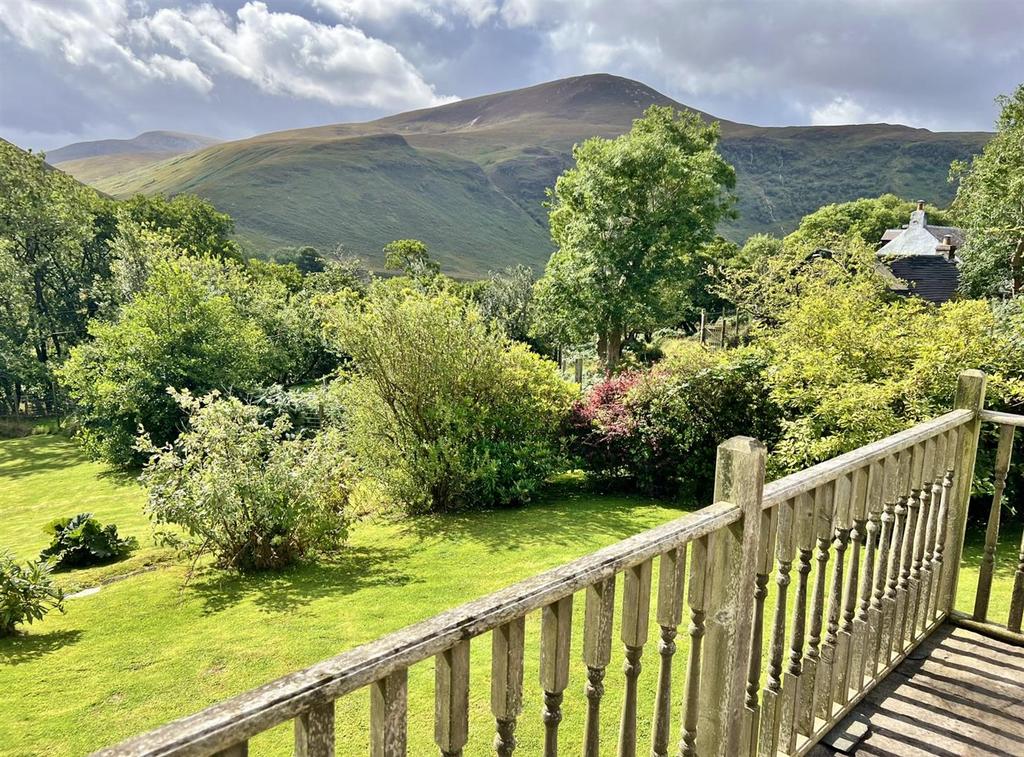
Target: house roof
933,278
919,237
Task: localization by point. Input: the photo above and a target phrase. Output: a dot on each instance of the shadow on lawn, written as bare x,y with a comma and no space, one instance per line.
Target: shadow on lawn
24,647
570,516
355,569
33,455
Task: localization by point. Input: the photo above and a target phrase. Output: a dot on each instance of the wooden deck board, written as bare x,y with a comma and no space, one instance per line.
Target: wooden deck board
959,693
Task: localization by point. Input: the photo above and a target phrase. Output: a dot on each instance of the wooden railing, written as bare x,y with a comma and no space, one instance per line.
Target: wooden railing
876,537
1006,424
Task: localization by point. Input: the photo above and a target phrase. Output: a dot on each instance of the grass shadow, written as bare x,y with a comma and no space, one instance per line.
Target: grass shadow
25,647
355,569
573,514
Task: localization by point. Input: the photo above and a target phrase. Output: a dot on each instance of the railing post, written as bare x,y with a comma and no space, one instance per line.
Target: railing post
732,564
970,395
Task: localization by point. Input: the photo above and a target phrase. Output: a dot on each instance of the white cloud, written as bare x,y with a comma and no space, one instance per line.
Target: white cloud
845,110
279,53
438,12
286,54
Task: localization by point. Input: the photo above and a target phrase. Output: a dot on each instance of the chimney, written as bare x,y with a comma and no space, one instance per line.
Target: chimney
946,247
920,204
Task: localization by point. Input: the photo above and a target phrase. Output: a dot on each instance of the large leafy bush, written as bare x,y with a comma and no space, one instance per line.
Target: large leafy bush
27,593
443,411
247,491
658,430
80,540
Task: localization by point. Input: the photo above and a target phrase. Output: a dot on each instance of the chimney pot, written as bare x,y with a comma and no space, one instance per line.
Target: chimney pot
947,239
920,204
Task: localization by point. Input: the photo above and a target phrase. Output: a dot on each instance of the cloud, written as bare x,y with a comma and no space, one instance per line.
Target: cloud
844,110
282,54
438,12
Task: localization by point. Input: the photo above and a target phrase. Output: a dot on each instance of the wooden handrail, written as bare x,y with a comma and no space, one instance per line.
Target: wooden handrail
255,711
807,480
1003,419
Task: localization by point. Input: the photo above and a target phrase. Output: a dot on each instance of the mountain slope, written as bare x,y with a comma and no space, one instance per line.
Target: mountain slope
469,177
92,161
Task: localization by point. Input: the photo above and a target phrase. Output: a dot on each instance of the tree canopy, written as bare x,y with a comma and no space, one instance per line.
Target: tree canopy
989,205
630,220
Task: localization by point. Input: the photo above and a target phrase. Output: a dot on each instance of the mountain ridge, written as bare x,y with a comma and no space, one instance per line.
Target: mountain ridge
469,177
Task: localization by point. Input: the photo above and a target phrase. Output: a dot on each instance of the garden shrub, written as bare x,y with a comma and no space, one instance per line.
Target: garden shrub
80,541
658,430
245,489
444,411
27,592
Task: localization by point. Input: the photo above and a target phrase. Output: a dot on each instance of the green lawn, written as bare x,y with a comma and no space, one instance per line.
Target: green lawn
147,649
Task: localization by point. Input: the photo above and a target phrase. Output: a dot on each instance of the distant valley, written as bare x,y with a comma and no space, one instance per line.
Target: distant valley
468,178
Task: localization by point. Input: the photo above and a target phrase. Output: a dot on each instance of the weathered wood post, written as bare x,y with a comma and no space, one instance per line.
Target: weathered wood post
970,395
314,732
1003,453
703,325
579,370
732,563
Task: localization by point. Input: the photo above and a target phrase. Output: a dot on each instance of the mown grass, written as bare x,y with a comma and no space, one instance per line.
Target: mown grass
150,648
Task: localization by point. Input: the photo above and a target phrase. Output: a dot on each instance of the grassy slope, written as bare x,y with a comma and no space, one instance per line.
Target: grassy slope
97,168
472,175
145,650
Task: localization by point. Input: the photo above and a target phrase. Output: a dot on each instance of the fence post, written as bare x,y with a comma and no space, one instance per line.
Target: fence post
703,324
732,564
970,395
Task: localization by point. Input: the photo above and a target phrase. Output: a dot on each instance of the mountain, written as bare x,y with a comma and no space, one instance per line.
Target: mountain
468,178
92,161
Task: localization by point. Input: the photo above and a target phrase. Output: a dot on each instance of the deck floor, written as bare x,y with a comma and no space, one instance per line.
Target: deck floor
959,693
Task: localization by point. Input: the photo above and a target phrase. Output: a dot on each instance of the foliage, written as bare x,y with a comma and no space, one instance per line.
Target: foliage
53,234
848,368
506,299
175,333
307,259
27,593
777,273
80,541
989,205
659,430
444,412
244,489
192,223
630,220
864,220
411,257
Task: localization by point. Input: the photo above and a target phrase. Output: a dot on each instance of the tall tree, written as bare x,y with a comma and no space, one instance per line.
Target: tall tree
630,220
53,249
989,205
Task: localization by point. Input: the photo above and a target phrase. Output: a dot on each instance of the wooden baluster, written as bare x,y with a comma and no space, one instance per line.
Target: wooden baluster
907,598
856,528
1017,598
891,602
938,470
970,395
451,699
507,650
1002,465
942,523
879,611
768,735
597,652
388,704
791,681
930,496
671,585
765,557
824,508
555,632
636,614
695,599
859,647
825,681
314,732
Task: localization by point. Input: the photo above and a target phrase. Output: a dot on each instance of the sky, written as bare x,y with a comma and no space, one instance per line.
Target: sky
74,70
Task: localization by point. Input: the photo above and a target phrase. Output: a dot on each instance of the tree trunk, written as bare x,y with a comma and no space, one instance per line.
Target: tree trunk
609,348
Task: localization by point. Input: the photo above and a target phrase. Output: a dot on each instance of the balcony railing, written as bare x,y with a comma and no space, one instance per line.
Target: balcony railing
864,550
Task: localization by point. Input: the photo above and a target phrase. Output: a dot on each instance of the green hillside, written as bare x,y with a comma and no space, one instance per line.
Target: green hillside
469,177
